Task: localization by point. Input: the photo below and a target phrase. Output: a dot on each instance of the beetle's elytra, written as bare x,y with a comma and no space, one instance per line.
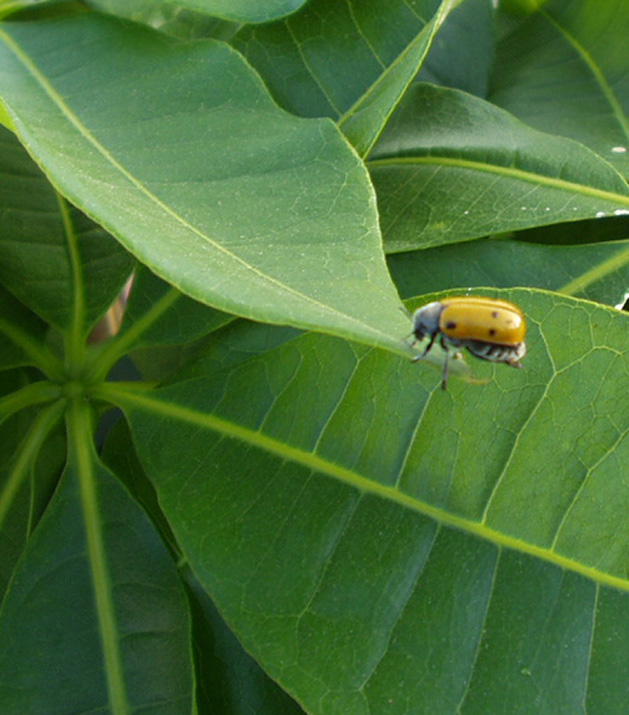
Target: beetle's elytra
488,328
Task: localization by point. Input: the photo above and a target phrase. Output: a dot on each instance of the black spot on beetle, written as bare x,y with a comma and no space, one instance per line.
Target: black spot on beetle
495,314
492,331
451,325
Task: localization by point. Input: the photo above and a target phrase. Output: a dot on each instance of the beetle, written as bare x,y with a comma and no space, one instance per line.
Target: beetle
488,328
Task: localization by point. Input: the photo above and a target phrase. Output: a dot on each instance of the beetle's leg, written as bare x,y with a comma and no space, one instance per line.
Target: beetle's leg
444,381
427,350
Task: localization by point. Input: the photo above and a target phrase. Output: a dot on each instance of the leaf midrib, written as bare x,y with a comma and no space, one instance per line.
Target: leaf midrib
126,397
509,172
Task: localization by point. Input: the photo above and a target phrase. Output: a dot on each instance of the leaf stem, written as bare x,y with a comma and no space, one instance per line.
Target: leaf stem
33,394
75,338
39,354
83,459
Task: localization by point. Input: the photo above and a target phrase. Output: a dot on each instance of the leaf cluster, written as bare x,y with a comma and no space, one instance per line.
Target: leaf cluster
224,487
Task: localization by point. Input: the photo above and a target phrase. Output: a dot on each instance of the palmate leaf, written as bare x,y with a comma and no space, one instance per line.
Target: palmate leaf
382,546
451,167
198,139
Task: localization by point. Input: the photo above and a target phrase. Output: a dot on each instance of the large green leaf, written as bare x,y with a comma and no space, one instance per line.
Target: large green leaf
198,140
566,71
95,617
229,680
450,167
383,546
51,256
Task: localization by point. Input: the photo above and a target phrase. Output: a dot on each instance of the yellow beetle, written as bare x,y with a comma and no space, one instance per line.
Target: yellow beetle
488,328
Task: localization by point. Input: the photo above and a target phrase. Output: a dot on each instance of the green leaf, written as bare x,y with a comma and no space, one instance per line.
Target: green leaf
365,120
229,680
51,256
169,175
235,10
451,167
27,480
95,617
462,53
598,272
326,59
344,514
566,71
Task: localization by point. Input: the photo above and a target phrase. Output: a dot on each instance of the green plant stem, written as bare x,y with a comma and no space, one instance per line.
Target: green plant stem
40,355
83,459
32,394
75,338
